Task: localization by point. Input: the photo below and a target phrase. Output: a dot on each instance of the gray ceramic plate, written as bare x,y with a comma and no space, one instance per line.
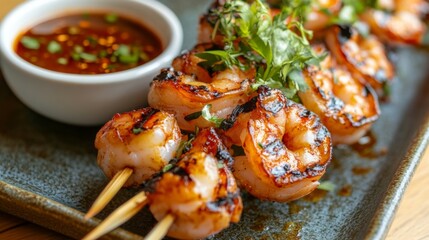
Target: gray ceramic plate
48,173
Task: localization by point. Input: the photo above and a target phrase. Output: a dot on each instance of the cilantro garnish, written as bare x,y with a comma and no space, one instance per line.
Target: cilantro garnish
278,47
207,115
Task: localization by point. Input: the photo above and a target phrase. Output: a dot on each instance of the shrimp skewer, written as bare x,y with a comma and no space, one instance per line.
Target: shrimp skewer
286,148
402,22
365,57
132,147
186,88
196,196
345,106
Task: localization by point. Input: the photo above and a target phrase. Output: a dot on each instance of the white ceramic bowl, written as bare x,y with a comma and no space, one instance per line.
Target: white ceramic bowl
85,99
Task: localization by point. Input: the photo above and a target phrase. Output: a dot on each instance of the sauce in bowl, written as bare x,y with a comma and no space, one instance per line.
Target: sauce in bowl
88,43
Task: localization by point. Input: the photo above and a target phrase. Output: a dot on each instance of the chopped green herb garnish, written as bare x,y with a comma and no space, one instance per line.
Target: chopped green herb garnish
125,55
75,56
280,49
167,167
220,165
54,47
88,57
206,114
137,130
128,59
326,186
62,61
122,50
102,54
30,43
193,116
92,40
111,18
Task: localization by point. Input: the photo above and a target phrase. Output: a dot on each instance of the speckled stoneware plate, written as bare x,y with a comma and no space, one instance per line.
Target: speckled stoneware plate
48,173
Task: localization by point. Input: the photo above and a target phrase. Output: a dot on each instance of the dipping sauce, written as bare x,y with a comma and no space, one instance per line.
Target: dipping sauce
88,43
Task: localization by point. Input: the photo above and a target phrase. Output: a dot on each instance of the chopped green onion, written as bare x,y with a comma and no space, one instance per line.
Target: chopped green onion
167,167
102,54
122,50
137,130
75,56
88,57
92,40
111,18
128,59
54,47
30,43
62,61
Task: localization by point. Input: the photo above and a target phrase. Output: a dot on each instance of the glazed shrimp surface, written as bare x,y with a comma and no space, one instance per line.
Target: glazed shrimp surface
317,18
400,22
186,88
365,57
286,148
199,191
345,106
144,140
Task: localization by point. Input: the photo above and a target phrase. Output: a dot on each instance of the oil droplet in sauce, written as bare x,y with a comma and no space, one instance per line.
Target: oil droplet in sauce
361,170
316,195
259,223
291,231
365,147
345,191
294,208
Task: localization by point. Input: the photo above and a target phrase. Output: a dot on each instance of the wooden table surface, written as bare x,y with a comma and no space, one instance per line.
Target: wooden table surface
410,222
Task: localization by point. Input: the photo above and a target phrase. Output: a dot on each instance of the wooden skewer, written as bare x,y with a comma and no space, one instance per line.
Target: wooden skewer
161,229
109,192
119,216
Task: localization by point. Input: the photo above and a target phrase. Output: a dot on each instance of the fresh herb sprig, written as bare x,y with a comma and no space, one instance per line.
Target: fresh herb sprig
278,45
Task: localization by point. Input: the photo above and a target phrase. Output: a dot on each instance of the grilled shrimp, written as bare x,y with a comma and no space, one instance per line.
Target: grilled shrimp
345,106
144,140
199,191
286,148
365,57
317,18
187,87
400,22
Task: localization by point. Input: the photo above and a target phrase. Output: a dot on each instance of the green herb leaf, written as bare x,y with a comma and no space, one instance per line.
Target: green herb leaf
30,43
205,112
280,50
111,18
54,47
326,186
